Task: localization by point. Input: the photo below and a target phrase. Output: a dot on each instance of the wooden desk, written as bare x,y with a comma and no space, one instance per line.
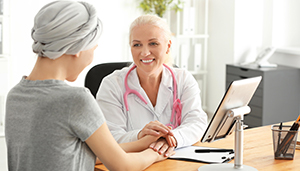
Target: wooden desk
258,153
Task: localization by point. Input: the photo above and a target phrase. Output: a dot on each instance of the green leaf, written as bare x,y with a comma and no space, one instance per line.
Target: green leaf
159,7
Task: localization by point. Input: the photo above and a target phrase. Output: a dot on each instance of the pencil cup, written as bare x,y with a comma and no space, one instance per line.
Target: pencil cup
284,142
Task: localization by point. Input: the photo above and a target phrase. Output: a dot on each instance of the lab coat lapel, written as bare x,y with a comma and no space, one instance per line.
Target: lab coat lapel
134,83
165,92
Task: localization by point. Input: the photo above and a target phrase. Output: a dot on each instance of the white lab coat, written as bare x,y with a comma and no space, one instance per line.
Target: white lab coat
125,126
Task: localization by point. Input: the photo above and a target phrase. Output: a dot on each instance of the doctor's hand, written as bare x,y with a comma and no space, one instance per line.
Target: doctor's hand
162,147
155,128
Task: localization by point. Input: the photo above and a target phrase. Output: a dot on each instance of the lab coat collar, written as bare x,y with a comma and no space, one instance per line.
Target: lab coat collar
165,92
134,81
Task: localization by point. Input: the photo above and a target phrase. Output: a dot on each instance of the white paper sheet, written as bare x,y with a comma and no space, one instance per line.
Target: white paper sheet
188,153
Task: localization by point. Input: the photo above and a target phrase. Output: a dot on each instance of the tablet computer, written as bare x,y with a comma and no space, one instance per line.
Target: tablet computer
238,94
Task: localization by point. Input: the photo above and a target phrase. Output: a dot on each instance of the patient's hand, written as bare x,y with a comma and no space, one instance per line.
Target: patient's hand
170,139
162,147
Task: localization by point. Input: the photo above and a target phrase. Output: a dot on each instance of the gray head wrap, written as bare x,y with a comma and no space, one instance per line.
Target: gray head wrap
65,27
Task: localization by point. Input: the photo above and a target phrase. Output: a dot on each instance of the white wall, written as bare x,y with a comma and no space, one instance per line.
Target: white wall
115,15
235,30
220,48
286,32
285,23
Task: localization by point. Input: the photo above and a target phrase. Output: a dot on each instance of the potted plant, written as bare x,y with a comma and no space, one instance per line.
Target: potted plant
159,7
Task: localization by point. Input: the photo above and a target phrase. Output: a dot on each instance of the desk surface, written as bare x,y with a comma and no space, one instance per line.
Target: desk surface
258,153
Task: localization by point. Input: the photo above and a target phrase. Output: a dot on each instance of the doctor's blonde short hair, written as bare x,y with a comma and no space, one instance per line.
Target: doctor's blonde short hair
155,21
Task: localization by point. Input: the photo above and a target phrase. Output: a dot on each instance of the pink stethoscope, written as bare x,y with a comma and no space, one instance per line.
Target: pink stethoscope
177,106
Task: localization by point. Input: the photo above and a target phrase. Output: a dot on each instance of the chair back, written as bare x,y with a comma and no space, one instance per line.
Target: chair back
95,75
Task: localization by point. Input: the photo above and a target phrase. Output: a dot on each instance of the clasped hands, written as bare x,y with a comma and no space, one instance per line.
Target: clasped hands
165,141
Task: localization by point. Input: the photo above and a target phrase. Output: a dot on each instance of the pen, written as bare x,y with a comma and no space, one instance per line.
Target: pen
287,140
213,150
279,136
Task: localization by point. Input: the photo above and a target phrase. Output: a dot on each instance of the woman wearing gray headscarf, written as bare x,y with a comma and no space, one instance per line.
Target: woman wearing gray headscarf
53,126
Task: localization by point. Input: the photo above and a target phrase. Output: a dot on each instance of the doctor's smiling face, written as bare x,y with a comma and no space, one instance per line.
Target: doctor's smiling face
149,48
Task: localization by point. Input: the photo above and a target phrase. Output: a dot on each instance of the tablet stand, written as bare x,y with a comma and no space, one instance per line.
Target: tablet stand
238,115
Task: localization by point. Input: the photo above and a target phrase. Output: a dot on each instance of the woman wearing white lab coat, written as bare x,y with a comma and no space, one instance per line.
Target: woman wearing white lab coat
150,42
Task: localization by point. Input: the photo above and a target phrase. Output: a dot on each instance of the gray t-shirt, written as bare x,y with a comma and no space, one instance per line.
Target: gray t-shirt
46,125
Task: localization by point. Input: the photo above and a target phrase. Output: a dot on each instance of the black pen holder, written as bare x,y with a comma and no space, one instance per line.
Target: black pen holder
284,142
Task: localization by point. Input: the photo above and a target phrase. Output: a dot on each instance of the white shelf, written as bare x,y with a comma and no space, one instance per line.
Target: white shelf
289,50
3,16
3,58
195,36
198,72
191,39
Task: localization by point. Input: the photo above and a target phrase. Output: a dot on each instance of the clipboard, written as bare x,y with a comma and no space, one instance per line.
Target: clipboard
188,154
